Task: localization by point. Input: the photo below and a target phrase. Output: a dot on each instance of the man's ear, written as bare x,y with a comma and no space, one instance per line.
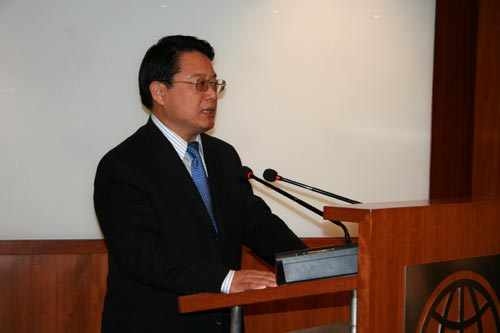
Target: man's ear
158,92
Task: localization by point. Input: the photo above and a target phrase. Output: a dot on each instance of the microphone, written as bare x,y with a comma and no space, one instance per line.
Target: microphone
246,174
271,175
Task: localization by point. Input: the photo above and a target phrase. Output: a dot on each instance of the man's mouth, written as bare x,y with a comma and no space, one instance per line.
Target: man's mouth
208,110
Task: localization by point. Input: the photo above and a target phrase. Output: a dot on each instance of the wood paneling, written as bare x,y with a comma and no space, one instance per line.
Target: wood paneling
52,286
465,147
51,292
453,98
486,156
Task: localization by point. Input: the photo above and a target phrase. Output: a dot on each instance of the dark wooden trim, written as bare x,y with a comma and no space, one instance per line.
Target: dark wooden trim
93,246
60,246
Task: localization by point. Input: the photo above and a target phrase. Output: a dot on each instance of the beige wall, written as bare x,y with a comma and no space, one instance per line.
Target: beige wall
335,94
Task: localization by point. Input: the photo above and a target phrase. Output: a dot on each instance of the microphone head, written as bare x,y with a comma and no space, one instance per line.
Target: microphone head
245,173
271,175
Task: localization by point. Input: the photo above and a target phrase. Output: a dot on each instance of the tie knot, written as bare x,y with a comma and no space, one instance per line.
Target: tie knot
193,149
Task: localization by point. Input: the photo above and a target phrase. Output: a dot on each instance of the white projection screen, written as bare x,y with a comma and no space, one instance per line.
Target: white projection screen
335,94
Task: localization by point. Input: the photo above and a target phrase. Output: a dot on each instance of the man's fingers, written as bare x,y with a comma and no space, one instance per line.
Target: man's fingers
251,280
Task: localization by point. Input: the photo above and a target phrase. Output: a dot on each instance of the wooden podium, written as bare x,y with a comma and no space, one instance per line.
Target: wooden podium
392,237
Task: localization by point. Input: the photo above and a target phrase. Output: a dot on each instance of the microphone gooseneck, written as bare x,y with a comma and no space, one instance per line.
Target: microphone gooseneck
272,175
246,174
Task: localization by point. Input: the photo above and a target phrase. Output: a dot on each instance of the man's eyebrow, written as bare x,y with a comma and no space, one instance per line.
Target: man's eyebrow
203,75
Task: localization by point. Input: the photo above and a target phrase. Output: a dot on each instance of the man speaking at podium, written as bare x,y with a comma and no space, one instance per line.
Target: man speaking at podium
171,204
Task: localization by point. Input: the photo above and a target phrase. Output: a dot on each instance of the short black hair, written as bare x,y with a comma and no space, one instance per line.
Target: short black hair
161,61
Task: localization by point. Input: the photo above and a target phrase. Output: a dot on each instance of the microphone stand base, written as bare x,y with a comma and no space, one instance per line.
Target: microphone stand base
316,263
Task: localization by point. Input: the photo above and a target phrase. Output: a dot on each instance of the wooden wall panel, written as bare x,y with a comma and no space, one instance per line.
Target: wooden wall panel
59,286
453,98
52,286
465,147
486,156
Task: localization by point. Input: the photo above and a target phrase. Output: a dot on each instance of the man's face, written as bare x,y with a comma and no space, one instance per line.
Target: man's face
182,108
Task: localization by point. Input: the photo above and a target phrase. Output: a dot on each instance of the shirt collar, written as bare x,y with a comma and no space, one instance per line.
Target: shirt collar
179,144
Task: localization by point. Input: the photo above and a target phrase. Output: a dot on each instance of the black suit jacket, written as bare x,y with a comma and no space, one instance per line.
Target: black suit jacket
160,238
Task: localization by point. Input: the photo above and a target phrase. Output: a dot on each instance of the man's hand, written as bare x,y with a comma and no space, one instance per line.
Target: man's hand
249,279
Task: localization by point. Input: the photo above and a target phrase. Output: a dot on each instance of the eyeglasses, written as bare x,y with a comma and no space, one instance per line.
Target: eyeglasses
203,85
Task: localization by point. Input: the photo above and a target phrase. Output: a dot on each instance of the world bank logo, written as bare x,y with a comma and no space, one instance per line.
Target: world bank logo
463,302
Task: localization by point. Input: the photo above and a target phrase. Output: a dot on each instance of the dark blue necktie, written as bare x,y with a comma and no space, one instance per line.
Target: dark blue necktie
200,179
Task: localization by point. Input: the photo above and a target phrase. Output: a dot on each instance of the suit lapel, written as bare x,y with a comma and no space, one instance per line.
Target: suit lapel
215,178
166,160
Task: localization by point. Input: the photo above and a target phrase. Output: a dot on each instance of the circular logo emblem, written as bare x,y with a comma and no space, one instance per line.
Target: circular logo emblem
464,302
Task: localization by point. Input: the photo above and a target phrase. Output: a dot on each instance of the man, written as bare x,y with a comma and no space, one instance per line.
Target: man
168,235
